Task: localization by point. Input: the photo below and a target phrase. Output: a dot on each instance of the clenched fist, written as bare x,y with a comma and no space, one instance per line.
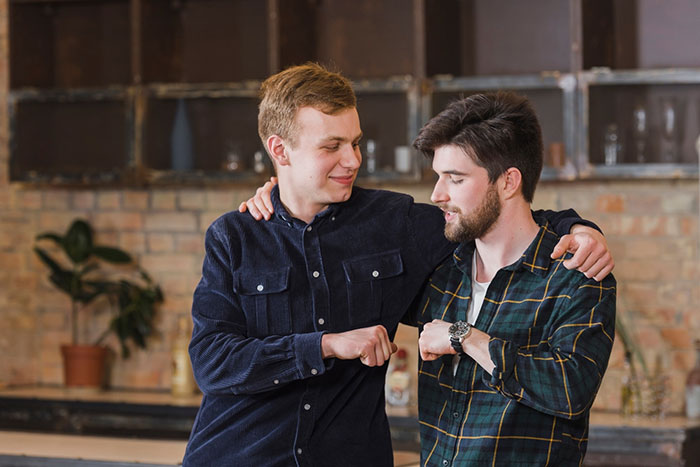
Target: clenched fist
371,345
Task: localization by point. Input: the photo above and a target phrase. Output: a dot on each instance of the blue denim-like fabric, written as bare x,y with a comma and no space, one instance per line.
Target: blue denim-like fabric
268,292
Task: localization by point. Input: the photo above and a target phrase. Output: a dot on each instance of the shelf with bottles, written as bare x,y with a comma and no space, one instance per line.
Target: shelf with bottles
70,137
389,117
195,132
553,96
643,123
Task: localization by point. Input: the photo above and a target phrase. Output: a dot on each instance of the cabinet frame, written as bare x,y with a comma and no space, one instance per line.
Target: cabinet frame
606,77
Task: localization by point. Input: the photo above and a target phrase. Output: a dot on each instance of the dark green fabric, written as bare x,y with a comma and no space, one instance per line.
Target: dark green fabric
551,331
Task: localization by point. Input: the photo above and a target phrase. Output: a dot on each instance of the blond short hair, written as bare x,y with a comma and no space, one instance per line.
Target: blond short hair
308,85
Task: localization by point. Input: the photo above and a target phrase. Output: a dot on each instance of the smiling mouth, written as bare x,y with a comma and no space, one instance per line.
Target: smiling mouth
343,179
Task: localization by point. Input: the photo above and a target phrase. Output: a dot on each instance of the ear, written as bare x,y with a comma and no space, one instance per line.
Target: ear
511,182
276,148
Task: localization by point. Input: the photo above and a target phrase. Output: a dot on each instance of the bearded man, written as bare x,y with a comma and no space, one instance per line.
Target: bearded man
513,344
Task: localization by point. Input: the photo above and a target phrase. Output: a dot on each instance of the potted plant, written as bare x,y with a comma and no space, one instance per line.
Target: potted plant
130,293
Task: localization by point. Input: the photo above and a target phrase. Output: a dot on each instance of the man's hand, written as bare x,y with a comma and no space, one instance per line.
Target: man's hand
371,345
260,205
591,254
434,340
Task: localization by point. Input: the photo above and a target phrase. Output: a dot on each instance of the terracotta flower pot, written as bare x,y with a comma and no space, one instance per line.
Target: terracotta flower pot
84,365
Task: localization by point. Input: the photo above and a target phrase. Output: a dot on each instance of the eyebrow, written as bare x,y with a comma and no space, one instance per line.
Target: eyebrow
340,138
453,172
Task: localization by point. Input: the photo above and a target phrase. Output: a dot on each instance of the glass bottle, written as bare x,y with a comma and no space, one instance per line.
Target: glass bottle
658,390
181,140
398,380
182,381
640,133
692,387
371,156
627,396
611,146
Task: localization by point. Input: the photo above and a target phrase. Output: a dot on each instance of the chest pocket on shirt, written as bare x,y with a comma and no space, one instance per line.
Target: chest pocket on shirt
365,277
265,301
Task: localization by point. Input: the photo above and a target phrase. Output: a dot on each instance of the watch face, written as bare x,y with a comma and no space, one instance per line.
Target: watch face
459,329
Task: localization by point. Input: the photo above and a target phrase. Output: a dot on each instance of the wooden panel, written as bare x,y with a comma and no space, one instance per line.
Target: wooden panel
366,38
513,36
598,33
161,47
297,33
31,50
669,33
218,127
205,41
68,138
444,37
70,44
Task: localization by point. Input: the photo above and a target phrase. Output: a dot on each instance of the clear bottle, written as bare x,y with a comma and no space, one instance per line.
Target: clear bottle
611,146
658,401
640,133
371,156
692,387
182,382
627,391
398,380
259,165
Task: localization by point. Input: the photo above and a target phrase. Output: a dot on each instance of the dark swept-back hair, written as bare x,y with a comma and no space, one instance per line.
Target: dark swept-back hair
497,130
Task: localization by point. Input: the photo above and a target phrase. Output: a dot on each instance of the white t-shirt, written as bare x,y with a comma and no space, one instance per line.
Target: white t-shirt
478,293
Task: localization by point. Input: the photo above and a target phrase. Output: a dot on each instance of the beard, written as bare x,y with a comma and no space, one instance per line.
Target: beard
479,222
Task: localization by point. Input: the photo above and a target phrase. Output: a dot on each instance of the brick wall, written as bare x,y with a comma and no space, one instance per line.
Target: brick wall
652,228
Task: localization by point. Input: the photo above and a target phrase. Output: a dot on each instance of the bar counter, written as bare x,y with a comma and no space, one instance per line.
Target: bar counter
121,428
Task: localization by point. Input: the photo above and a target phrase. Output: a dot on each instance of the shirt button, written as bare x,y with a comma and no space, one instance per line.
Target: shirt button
455,415
299,451
276,381
309,229
314,371
307,407
333,218
445,462
375,273
321,321
315,273
260,287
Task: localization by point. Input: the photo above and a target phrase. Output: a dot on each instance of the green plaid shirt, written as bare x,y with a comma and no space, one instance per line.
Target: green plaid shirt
551,334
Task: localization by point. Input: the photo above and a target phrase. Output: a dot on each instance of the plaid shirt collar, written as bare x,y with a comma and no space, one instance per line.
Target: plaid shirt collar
535,259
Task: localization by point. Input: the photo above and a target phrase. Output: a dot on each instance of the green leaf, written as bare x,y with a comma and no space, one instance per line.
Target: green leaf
48,260
78,241
64,281
57,239
112,255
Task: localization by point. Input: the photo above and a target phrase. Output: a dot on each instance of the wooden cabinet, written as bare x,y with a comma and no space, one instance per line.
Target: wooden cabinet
165,91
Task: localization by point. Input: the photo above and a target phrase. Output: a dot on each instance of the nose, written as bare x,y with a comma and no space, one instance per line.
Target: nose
439,194
351,158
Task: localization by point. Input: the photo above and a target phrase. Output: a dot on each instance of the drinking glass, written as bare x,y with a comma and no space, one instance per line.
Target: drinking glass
671,129
639,133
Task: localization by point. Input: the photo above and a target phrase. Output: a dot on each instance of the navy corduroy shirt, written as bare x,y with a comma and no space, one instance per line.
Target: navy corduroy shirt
268,292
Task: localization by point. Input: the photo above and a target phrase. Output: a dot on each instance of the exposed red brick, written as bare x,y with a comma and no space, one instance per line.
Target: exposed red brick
610,203
677,338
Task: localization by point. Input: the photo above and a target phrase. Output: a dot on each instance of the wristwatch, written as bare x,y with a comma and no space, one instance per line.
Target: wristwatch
458,332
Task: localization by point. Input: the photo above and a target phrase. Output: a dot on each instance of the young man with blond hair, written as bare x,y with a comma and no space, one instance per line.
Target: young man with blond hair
294,317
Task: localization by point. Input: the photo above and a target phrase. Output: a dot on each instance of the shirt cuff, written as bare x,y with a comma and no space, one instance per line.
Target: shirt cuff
503,354
307,348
